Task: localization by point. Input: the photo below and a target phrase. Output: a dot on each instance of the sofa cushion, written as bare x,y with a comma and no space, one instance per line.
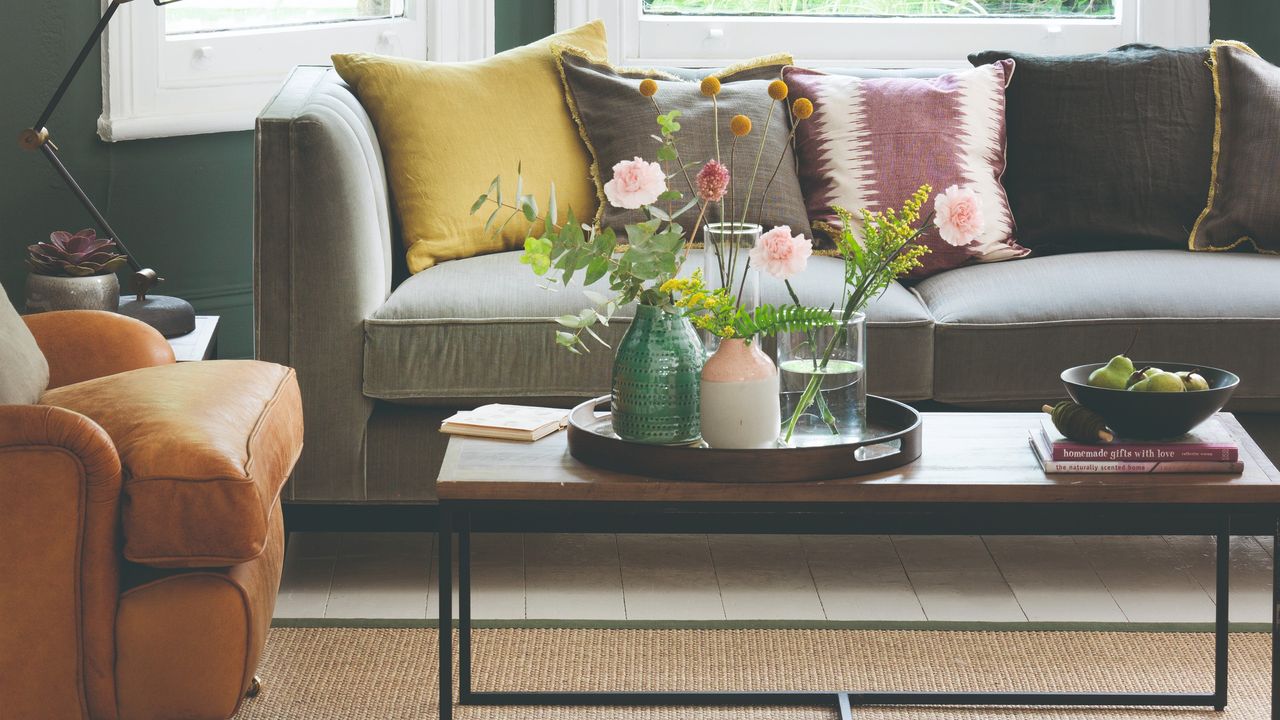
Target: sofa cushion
1246,147
871,142
1005,331
26,372
1108,151
480,329
205,448
448,128
617,124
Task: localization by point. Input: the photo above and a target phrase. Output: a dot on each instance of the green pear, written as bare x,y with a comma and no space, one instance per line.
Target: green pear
1113,375
1139,375
1193,380
1159,382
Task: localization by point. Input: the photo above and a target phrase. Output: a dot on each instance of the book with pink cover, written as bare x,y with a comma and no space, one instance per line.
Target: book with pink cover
507,422
1043,453
1209,442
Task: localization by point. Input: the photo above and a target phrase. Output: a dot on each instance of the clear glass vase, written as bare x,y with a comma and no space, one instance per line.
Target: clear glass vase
724,264
823,390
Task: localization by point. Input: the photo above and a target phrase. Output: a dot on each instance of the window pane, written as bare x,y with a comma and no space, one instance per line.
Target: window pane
191,16
887,8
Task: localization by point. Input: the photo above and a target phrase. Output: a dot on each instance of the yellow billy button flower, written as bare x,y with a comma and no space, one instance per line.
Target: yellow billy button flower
648,87
740,125
710,86
778,90
802,108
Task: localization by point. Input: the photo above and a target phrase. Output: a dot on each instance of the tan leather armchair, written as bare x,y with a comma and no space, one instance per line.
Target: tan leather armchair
141,536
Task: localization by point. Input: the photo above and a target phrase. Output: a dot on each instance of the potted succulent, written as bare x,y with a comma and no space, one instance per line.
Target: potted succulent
73,272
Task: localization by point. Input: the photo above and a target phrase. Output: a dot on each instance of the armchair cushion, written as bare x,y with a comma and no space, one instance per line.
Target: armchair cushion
205,448
26,373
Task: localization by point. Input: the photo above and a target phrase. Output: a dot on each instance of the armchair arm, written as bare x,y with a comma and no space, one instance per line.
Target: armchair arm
86,344
59,530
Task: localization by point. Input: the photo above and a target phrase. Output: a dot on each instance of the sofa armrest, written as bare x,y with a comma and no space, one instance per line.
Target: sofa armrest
322,264
59,530
86,344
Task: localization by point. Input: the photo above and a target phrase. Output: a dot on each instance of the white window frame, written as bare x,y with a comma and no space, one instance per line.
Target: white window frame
700,41
155,85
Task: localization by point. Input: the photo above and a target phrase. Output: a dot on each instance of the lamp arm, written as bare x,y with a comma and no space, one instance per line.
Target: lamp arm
89,44
37,138
52,154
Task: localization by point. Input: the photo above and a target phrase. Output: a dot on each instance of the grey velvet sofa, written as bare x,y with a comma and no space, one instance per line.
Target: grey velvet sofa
382,358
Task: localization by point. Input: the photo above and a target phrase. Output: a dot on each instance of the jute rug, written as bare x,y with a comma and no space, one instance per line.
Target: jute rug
390,673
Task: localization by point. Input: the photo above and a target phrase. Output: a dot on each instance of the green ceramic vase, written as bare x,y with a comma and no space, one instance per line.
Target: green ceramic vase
656,377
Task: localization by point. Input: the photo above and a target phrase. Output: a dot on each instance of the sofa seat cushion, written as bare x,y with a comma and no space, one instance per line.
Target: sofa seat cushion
480,329
1005,331
205,448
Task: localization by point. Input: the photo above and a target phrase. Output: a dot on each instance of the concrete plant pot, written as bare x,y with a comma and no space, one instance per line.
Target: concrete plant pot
92,292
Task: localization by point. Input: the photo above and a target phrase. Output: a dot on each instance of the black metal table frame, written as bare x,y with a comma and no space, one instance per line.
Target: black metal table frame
951,518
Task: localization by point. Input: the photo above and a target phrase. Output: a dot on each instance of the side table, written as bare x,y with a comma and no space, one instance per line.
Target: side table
199,344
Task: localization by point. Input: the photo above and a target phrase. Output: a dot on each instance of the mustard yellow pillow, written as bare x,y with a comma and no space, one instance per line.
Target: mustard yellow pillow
447,128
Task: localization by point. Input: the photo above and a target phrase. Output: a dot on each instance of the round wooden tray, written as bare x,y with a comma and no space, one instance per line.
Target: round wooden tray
896,441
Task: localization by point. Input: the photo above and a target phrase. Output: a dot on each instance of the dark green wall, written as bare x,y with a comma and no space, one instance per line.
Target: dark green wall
184,205
1256,22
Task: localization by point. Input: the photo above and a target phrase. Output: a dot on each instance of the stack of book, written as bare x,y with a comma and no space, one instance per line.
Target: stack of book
1208,449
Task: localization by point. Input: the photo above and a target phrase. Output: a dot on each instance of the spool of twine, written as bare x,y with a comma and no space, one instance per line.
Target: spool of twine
1079,423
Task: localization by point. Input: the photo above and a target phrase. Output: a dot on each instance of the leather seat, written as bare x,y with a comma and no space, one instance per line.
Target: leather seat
232,429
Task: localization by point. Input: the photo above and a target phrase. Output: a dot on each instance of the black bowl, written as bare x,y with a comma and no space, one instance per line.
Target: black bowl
1152,415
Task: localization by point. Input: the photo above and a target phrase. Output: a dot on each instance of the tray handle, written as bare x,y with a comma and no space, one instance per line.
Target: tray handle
879,451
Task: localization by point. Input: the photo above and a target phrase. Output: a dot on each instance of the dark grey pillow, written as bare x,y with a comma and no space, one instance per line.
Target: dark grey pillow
1109,150
24,372
1244,199
617,123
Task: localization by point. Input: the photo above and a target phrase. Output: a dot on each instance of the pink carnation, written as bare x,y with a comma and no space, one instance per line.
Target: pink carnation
958,215
780,254
712,181
635,183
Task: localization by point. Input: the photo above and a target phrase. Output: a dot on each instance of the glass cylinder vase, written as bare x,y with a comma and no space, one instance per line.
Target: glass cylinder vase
823,392
724,264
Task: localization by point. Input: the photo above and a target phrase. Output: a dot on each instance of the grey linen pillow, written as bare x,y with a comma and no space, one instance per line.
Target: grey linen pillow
1107,151
1244,197
24,372
617,123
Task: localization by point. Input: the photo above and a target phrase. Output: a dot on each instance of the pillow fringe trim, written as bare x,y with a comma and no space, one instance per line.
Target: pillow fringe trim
1216,68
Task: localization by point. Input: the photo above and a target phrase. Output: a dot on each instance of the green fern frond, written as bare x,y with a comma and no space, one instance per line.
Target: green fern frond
769,319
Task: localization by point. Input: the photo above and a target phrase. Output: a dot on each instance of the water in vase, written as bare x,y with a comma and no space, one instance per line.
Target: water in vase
823,379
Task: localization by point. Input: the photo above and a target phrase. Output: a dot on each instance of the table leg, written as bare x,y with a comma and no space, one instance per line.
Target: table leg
464,608
1222,621
445,572
846,710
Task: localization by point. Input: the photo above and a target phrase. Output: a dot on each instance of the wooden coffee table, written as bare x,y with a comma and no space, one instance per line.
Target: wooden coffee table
977,475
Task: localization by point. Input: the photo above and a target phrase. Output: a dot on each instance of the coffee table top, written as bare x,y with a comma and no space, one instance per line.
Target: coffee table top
968,457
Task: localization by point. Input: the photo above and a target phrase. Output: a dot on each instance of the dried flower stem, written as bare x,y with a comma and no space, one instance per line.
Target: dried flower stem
746,207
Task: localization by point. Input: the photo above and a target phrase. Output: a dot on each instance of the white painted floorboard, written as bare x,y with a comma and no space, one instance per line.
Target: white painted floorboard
780,577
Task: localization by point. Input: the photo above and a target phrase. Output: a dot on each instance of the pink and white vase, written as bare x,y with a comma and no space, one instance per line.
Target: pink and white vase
739,397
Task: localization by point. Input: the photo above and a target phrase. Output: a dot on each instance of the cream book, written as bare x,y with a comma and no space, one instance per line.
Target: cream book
507,422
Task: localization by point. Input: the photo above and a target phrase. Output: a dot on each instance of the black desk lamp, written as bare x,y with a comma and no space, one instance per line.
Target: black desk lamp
171,316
